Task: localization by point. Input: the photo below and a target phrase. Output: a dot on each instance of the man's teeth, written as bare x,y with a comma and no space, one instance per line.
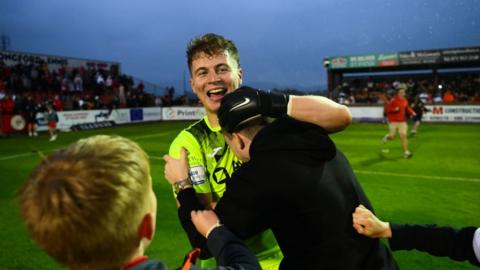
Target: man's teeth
216,92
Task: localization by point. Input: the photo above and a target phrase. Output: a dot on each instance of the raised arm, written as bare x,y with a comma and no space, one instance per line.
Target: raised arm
317,110
321,111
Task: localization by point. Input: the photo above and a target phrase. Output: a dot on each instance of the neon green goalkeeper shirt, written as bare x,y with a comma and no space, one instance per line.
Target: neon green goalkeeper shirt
211,163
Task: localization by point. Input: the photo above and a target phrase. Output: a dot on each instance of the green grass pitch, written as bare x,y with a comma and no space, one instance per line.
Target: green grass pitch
440,184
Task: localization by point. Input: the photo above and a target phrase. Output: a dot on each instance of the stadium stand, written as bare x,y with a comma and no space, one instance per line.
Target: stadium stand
446,76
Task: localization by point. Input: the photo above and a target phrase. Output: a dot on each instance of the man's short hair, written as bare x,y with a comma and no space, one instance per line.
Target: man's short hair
250,128
83,204
210,44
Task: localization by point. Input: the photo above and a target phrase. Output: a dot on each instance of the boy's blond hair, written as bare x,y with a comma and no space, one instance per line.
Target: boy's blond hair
83,204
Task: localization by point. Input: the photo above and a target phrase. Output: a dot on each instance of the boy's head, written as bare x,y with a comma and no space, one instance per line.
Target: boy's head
91,205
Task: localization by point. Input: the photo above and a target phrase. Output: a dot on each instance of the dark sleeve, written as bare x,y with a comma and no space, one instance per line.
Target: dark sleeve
189,202
230,252
242,208
436,240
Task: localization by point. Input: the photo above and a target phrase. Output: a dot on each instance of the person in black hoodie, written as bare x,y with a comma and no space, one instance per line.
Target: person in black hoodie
293,180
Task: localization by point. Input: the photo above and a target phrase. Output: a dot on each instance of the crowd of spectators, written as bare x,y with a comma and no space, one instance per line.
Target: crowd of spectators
453,88
78,88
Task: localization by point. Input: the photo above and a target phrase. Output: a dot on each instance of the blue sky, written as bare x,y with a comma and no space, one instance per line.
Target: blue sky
281,43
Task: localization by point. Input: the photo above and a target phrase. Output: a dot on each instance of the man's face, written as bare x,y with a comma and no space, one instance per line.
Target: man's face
212,77
401,93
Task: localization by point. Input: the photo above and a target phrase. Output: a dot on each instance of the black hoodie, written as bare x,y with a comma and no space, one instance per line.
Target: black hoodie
301,187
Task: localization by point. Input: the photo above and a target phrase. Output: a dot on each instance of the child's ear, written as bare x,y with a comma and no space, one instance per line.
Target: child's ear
145,230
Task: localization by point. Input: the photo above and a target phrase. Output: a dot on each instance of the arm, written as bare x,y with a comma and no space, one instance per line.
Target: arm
316,110
176,170
321,111
433,239
228,250
195,165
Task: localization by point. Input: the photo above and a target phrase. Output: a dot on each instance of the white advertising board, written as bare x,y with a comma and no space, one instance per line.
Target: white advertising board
452,113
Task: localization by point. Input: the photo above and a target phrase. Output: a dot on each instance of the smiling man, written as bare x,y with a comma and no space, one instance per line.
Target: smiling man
214,65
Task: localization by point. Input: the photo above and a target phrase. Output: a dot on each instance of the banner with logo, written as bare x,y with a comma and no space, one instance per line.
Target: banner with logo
11,58
437,113
436,56
182,113
66,119
452,113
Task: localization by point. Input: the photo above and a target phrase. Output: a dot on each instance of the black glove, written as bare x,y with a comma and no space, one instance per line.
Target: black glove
247,103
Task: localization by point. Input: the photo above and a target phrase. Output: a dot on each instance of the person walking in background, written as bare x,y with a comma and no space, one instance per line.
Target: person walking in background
30,110
52,120
397,112
458,245
419,108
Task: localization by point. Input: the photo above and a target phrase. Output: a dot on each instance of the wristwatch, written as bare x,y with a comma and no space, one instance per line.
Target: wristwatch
182,184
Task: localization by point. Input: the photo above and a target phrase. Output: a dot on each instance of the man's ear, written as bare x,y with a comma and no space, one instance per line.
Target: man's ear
191,85
240,75
146,229
241,140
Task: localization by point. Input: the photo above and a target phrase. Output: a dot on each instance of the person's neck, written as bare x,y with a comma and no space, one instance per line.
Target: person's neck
213,120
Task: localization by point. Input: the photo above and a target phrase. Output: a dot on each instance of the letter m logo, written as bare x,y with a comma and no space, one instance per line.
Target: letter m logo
437,110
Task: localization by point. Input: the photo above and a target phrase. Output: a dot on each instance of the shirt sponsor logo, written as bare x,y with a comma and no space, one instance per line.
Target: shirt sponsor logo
214,152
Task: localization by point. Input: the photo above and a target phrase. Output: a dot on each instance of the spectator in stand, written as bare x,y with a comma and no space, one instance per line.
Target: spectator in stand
30,110
7,107
57,103
458,245
140,87
397,111
448,97
52,120
438,97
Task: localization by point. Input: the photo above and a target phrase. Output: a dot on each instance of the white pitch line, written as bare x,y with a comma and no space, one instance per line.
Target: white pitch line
150,136
445,178
16,156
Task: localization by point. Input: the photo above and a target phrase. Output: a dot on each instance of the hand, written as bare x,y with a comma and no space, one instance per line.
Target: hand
176,169
366,223
246,102
204,221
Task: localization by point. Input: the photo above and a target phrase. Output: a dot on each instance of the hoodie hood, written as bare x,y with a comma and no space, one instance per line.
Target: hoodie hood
289,135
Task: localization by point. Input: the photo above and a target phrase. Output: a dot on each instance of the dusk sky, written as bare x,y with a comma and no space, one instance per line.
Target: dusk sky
281,42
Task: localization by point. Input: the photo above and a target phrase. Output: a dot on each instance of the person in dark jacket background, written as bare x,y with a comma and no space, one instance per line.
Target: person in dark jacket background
457,244
293,181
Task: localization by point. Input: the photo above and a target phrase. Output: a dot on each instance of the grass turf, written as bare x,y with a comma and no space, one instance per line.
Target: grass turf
440,184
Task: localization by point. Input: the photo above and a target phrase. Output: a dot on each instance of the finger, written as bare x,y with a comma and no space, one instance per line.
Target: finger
359,228
183,154
166,158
